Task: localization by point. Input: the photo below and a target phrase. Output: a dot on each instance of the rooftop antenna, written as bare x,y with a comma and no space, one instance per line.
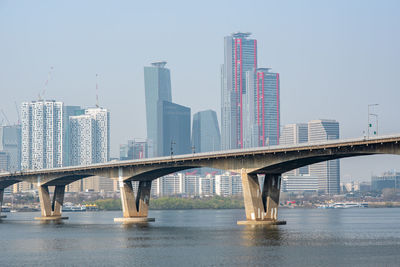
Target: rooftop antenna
46,83
97,91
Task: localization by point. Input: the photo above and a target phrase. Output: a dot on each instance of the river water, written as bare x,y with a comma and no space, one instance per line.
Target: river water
312,237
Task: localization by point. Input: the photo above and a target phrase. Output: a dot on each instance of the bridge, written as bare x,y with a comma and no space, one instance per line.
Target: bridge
261,204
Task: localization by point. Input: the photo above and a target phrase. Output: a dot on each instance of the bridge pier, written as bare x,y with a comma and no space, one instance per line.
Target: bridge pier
51,210
261,207
1,203
135,210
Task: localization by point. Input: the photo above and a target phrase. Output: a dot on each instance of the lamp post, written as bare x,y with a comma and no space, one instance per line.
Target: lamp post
376,116
172,148
369,125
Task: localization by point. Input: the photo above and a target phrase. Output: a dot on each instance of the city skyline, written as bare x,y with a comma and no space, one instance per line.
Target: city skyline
339,43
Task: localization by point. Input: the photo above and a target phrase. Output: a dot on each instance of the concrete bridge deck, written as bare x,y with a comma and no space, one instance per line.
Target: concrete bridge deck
261,205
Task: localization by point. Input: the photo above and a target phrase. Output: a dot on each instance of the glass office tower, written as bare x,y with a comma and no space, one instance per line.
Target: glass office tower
174,129
157,83
205,134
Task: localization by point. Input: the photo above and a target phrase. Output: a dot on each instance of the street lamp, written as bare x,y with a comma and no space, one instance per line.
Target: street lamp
172,148
369,124
376,116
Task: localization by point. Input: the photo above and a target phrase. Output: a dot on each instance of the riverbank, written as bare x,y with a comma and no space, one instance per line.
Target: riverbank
175,203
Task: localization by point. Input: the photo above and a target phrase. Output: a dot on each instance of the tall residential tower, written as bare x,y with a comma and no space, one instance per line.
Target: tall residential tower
261,107
43,135
240,56
90,137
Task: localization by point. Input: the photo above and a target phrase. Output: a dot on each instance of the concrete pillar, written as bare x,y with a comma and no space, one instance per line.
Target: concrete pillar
1,202
51,210
270,195
58,200
143,198
128,199
261,207
44,197
252,197
135,209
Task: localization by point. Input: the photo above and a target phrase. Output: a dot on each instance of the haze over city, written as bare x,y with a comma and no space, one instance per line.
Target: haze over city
334,59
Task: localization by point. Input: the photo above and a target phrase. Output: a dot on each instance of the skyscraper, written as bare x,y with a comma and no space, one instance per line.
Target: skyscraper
261,106
135,149
10,142
173,129
157,83
294,134
68,112
43,136
240,56
205,131
90,137
4,161
328,172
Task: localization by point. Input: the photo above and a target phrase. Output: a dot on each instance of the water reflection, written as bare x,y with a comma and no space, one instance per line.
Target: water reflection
136,226
261,235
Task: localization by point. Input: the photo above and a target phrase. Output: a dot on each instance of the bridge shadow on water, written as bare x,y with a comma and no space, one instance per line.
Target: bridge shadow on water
261,235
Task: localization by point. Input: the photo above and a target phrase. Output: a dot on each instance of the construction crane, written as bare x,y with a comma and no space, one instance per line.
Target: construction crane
46,83
16,108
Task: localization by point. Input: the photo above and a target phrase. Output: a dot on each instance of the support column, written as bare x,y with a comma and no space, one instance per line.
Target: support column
135,209
270,195
51,210
1,203
261,207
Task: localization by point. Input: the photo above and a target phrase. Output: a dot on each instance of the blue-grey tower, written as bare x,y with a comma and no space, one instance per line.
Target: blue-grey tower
206,136
173,129
157,83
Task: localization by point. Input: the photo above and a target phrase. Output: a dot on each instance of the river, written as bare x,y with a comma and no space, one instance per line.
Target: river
312,237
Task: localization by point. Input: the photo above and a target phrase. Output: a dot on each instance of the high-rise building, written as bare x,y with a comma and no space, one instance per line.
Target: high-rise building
90,137
205,131
173,129
191,184
97,184
4,161
43,135
389,179
135,149
10,142
68,112
240,56
157,83
328,172
170,185
261,108
294,134
299,183
207,186
227,184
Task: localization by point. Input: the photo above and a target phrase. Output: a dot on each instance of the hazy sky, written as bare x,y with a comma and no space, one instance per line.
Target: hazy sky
334,58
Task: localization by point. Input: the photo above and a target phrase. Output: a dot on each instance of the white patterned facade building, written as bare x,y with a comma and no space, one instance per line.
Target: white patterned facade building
328,172
43,135
90,137
228,184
